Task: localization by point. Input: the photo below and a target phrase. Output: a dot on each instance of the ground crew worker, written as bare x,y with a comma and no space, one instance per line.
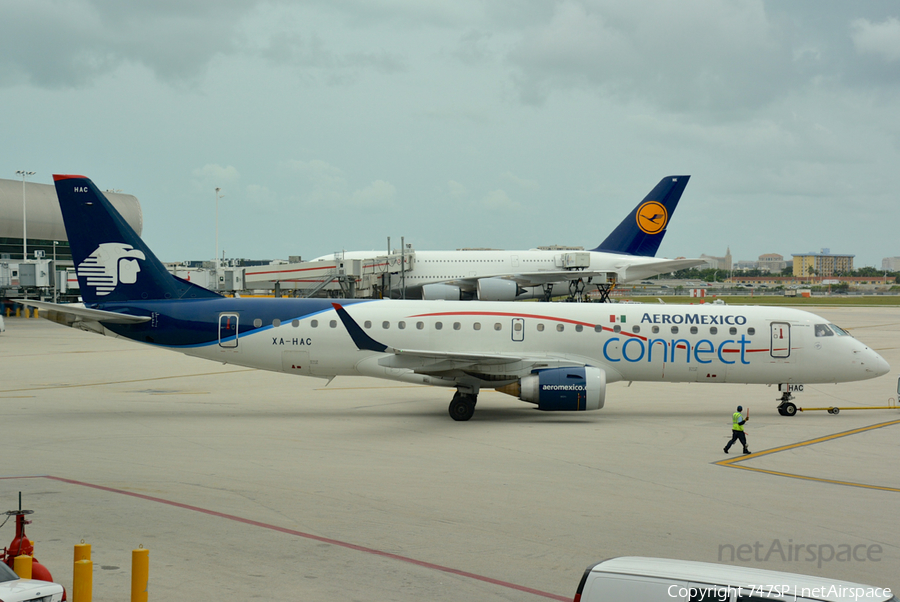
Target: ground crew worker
737,430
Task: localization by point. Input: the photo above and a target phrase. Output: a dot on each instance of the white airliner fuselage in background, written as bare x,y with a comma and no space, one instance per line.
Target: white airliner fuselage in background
559,356
508,275
626,255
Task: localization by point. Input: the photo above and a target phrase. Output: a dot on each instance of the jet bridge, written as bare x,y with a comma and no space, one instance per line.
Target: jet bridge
340,276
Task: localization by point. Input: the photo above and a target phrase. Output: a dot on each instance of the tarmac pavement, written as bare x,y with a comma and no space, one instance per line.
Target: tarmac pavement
253,485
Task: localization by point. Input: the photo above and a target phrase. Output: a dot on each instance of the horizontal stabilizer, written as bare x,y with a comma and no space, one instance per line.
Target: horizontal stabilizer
80,311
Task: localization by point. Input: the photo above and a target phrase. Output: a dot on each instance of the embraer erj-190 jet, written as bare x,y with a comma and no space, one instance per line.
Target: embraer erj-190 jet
626,255
559,356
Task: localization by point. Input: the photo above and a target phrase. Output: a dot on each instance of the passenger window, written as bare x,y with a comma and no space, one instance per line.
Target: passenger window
457,326
276,323
732,330
560,327
598,328
438,325
579,328
751,331
517,327
385,324
498,326
314,323
822,330
540,328
635,329
420,325
257,322
693,330
713,330
655,329
367,324
333,323
477,325
674,330
401,325
295,323
617,328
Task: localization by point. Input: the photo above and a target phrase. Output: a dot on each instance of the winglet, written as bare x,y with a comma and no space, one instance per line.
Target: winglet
363,341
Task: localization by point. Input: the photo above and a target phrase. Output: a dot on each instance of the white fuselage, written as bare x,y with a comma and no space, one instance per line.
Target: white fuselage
464,268
689,343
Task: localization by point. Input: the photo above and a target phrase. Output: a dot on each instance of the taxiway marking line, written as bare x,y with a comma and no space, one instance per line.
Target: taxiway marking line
123,382
733,462
335,542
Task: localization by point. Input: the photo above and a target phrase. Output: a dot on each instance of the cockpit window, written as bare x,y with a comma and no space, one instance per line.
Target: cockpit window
839,331
822,330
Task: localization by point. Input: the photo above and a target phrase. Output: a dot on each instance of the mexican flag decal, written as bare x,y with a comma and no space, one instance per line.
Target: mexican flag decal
618,319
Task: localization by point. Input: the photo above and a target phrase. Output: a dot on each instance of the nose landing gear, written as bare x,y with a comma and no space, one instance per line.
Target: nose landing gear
786,408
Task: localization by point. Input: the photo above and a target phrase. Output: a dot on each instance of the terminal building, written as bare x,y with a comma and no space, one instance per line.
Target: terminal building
34,247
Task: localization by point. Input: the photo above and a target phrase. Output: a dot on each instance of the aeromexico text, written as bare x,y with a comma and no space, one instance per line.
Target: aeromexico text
636,348
702,319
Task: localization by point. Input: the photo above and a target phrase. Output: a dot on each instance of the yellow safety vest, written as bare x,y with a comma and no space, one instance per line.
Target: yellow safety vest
736,418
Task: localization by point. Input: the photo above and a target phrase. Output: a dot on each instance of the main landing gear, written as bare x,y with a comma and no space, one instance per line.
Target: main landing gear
462,407
786,408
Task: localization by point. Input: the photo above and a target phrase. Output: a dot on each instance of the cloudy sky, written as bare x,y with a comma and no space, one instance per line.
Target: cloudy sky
333,124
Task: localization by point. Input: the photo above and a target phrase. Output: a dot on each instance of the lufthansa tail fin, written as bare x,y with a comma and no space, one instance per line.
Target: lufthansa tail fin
642,231
111,261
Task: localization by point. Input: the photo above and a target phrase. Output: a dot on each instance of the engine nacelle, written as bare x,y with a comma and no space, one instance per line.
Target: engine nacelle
565,389
441,292
497,289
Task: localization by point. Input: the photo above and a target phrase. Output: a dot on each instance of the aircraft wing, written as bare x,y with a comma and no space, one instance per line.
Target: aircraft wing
80,311
528,279
639,271
437,362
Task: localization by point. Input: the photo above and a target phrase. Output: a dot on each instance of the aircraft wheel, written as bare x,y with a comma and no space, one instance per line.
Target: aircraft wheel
781,411
462,407
835,411
790,409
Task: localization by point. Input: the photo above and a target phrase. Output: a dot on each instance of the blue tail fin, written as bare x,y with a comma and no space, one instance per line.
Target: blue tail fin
111,261
642,231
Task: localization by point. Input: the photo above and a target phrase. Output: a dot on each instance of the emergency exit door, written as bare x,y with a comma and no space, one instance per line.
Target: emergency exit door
518,329
780,346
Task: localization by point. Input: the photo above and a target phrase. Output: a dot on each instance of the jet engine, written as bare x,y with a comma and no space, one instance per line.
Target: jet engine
441,292
562,389
497,289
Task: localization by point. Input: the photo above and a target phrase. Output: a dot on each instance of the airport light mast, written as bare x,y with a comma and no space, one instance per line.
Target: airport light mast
218,196
24,175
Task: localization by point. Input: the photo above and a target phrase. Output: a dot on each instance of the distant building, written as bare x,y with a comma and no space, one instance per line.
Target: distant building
772,263
821,264
890,264
744,265
718,263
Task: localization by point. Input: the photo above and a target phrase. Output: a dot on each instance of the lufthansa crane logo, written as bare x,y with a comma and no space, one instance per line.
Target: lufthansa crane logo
110,264
652,217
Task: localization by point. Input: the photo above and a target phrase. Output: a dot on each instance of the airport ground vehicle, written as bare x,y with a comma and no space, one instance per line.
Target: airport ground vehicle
14,589
640,579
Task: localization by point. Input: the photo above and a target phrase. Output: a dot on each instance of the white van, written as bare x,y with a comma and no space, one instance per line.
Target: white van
639,579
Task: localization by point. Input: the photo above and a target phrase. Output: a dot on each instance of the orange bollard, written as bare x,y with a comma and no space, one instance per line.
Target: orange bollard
83,581
22,566
18,311
140,574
